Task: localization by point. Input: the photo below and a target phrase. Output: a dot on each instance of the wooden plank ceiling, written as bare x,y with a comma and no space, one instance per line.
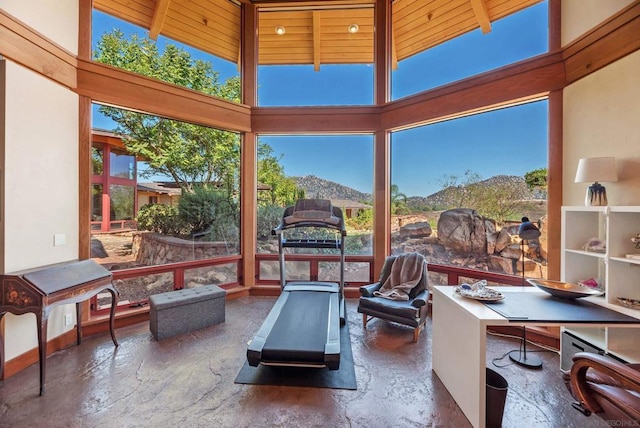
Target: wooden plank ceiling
311,32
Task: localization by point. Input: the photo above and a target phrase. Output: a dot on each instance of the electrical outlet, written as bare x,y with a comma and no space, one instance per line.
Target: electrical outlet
68,319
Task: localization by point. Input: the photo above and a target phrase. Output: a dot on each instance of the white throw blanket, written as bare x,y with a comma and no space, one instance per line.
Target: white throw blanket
406,272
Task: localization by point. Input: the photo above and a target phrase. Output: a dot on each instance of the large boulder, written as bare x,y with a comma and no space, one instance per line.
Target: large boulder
503,240
501,264
464,230
420,229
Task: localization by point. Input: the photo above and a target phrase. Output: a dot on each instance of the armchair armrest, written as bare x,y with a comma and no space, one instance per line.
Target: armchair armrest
367,290
624,376
421,299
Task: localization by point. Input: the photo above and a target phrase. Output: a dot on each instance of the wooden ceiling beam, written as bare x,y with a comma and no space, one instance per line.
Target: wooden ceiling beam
482,15
159,15
316,40
394,52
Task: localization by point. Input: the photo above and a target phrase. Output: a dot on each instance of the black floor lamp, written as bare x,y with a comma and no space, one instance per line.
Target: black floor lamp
527,231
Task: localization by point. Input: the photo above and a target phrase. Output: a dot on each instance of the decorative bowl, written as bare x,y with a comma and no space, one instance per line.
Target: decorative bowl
563,290
629,303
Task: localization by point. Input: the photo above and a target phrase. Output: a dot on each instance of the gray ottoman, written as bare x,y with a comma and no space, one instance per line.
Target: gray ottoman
182,311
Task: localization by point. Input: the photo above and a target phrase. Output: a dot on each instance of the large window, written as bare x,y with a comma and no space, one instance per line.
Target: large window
122,165
190,172
122,202
461,188
319,57
97,160
189,182
116,42
512,38
338,168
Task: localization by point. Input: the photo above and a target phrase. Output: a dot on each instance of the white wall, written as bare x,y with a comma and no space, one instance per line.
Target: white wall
601,118
40,183
40,186
579,16
55,19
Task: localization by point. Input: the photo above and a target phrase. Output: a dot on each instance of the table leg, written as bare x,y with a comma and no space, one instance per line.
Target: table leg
459,356
1,349
112,315
78,327
42,347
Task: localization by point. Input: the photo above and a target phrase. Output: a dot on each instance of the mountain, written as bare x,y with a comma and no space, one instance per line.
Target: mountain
320,188
438,199
324,189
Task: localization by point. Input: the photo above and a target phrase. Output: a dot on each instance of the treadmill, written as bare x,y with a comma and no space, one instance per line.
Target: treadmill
303,327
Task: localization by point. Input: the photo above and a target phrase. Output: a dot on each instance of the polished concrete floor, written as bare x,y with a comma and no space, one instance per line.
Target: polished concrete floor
188,381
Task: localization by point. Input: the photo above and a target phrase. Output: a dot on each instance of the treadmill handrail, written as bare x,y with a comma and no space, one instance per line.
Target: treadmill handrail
289,211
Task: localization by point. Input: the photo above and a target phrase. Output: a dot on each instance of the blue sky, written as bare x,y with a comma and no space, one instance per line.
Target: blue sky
510,141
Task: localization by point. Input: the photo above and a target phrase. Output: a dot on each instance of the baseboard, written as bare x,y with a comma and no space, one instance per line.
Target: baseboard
27,359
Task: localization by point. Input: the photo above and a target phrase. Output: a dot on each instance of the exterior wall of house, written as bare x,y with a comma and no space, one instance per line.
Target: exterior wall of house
40,183
601,114
143,199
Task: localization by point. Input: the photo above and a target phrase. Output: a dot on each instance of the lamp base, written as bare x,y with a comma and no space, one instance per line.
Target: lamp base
596,195
522,359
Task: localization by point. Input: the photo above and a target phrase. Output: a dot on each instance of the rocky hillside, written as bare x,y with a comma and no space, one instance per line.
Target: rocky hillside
320,188
324,189
437,200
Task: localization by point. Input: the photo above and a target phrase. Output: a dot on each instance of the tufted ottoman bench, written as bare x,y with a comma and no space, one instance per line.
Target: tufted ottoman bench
182,311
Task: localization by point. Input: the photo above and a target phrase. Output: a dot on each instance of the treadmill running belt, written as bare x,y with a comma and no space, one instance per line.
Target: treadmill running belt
300,332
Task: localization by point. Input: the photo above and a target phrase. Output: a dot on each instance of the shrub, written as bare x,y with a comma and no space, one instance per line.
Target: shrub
159,218
225,225
269,216
209,211
363,221
197,209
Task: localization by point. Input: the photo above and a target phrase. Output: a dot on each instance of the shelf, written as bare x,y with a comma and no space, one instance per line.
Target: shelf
586,253
624,309
625,260
594,335
620,276
626,355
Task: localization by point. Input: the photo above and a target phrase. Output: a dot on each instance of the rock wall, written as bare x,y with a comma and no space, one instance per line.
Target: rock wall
150,249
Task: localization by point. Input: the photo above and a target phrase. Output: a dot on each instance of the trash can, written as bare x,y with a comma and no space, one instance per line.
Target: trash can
497,387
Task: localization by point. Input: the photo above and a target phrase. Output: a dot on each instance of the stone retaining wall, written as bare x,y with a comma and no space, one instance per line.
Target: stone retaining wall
151,249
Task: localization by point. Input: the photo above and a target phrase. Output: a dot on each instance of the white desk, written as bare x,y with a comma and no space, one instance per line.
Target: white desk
459,346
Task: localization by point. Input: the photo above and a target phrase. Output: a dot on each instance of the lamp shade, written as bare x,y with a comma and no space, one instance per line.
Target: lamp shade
528,230
591,170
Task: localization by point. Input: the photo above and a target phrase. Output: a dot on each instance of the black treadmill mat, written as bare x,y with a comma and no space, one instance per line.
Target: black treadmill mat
300,332
542,307
343,378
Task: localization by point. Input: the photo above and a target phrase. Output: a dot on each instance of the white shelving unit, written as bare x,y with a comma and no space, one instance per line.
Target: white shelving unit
619,276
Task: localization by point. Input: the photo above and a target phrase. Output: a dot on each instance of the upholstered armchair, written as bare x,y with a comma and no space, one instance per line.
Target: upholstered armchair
606,387
412,312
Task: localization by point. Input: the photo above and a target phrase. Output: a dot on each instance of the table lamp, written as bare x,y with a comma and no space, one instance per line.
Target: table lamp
596,170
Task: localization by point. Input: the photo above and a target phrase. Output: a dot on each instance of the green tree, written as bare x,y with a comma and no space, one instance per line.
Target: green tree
283,190
186,152
537,179
457,191
398,201
498,199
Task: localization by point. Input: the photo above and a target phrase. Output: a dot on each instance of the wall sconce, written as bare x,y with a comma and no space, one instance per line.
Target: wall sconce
353,28
280,30
595,170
